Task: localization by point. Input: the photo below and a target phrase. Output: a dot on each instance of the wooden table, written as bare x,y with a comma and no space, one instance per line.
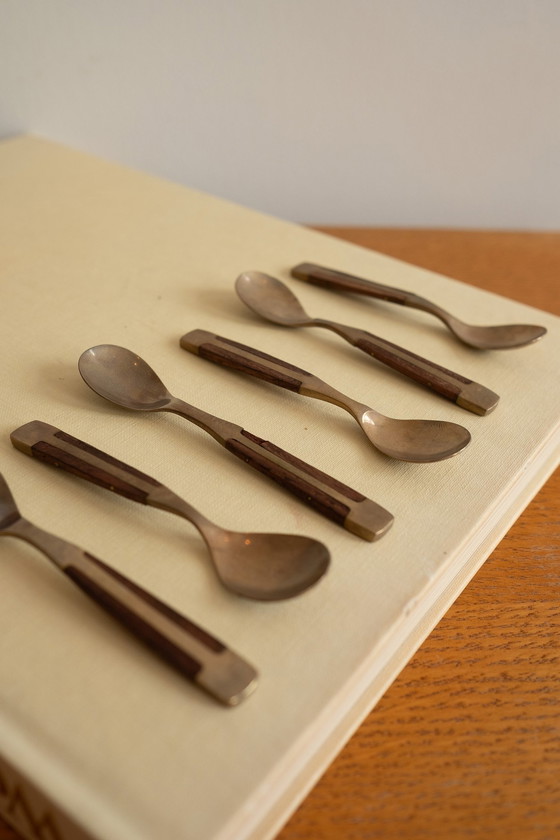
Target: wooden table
466,742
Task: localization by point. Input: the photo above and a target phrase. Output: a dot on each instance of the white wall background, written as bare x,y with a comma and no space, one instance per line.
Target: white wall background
366,112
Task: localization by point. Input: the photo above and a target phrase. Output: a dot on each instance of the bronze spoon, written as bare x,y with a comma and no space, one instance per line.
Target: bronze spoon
122,377
271,299
419,441
499,337
191,650
266,567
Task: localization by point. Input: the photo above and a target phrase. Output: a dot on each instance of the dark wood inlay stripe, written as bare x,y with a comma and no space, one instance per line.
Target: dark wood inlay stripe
420,374
234,361
307,468
55,456
262,355
312,496
164,609
86,447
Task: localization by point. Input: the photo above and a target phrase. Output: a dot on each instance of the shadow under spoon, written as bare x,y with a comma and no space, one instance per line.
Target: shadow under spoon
122,377
413,440
494,337
196,654
266,567
274,301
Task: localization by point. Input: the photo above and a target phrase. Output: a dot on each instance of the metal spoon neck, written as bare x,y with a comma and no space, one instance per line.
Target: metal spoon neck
60,552
167,500
324,322
8,520
219,429
326,392
417,302
348,333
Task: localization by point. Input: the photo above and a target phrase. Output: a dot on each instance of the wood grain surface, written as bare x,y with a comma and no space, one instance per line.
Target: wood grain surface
466,742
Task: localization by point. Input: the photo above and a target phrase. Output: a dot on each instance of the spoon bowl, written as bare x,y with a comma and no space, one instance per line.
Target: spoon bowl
495,337
418,441
123,378
268,567
271,299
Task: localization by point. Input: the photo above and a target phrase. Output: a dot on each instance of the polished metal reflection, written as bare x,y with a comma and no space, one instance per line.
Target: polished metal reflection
122,377
267,567
405,439
200,657
273,300
495,337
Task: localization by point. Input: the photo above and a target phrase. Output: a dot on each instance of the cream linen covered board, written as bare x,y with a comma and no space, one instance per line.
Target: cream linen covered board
110,736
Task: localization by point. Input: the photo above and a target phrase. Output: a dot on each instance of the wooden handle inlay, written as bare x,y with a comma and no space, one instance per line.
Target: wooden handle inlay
57,456
55,447
312,496
138,592
341,488
406,364
236,356
318,498
328,278
234,361
103,456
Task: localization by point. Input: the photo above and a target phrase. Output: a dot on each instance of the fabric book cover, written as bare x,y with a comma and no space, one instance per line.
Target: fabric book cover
98,737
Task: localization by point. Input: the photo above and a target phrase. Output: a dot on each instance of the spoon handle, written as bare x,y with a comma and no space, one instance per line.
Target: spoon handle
240,357
55,447
325,494
453,386
328,278
481,338
196,654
